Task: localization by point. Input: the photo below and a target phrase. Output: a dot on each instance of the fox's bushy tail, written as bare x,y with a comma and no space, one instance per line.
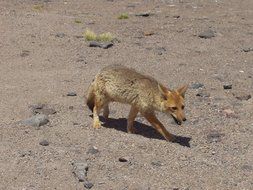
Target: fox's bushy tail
91,97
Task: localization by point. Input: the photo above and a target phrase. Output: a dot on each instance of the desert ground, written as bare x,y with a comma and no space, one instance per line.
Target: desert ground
46,66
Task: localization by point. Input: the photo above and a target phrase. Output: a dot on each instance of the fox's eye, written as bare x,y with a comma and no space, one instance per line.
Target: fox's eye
182,107
174,108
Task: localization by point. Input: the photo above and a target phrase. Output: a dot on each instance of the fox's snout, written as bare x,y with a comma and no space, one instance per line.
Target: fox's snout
179,121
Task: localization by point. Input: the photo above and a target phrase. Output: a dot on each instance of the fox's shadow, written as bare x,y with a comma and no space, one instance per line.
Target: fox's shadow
141,129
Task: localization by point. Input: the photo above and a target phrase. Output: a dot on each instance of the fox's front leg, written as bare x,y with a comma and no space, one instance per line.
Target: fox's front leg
96,111
130,121
159,126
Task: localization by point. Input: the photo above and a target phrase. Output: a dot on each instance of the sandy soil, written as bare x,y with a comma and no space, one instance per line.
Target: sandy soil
43,56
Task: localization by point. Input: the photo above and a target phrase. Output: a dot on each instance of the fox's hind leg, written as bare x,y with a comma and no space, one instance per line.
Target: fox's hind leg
106,111
130,121
96,110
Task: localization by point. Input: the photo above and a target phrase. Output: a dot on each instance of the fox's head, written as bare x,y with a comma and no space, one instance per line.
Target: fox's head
173,102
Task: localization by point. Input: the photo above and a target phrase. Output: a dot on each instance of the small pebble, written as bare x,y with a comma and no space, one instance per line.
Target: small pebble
71,94
227,86
123,159
207,34
60,35
88,185
44,143
93,150
197,85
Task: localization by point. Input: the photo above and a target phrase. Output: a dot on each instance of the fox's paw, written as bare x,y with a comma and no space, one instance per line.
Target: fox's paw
131,130
171,138
96,125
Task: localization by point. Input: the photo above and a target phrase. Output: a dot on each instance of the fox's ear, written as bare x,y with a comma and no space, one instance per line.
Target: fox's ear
164,91
182,90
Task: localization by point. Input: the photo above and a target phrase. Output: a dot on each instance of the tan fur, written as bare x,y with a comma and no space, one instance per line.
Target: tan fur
144,94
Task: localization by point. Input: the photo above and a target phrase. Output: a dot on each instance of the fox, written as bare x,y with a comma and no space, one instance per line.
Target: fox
145,95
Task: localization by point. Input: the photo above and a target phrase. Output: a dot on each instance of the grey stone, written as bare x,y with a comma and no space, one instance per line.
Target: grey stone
88,185
36,121
71,94
44,143
80,170
247,49
197,85
106,45
25,53
60,35
214,137
156,163
203,94
207,34
227,86
93,150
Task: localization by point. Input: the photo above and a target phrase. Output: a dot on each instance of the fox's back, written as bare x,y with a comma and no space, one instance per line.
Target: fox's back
126,85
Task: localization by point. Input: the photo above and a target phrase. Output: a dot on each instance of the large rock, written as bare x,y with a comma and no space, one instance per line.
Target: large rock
36,121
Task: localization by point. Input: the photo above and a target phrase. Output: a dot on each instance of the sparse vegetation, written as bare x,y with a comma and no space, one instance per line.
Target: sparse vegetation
78,21
123,16
104,37
38,7
90,36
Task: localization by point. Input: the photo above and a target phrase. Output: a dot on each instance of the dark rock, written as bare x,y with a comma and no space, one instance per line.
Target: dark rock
100,45
247,49
227,86
106,45
197,85
207,34
88,185
93,150
71,94
80,170
44,143
242,96
144,14
203,94
36,121
148,33
123,159
60,35
71,107
176,16
214,137
25,53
